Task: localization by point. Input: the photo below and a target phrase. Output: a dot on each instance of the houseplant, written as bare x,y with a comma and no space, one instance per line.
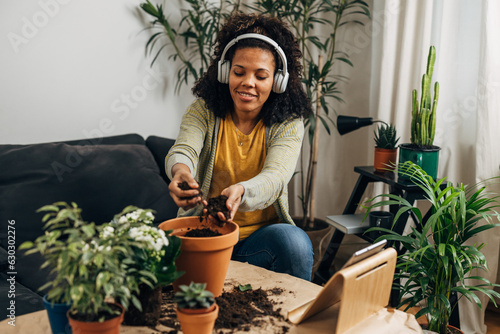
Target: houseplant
386,151
423,124
437,259
155,256
193,37
320,57
203,259
91,268
196,308
192,41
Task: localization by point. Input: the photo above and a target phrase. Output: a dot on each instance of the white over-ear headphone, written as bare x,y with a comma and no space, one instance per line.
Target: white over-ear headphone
281,76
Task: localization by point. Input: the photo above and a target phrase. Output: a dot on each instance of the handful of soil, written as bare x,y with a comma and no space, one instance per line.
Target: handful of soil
218,204
185,186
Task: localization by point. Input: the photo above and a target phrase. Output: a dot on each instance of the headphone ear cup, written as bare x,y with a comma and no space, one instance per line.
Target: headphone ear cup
223,71
280,82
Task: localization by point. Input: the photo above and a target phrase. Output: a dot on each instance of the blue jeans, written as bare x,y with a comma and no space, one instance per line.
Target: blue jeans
282,248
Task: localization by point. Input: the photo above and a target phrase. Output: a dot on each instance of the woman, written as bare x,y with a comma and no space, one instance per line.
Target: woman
242,139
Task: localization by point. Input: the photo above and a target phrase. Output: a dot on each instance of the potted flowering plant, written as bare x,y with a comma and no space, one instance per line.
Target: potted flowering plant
154,256
93,267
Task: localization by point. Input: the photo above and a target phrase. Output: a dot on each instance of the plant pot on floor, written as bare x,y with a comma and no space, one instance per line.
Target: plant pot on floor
384,159
57,316
203,259
110,326
451,329
426,158
198,321
320,234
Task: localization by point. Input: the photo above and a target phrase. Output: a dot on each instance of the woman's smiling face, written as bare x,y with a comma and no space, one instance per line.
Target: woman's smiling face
251,79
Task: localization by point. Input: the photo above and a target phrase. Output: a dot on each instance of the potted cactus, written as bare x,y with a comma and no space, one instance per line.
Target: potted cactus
386,151
421,150
196,308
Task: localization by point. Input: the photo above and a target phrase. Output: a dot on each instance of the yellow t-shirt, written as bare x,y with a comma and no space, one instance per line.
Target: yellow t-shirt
236,163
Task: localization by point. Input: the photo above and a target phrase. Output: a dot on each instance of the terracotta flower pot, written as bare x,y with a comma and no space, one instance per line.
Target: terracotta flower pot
199,321
384,158
111,326
205,259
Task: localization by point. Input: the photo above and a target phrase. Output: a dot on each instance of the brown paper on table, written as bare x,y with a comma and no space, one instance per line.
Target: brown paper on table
295,292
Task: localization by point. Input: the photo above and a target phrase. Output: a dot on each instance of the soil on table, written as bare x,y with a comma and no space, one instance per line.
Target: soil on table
238,311
185,186
218,204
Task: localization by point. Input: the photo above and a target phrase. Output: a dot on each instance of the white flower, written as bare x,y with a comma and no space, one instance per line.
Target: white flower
107,232
154,238
135,216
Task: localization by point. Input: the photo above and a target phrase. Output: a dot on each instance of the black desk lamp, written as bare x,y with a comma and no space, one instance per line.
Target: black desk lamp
346,124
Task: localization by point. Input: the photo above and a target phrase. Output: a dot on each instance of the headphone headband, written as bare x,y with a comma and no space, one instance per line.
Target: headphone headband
278,49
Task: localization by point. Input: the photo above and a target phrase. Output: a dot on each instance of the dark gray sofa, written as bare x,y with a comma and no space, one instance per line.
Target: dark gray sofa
101,175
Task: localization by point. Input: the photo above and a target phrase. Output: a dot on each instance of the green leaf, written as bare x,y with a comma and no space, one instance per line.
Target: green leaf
245,287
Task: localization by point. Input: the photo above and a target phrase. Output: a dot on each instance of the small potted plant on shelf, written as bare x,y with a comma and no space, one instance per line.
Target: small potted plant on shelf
437,259
196,308
386,151
421,150
93,269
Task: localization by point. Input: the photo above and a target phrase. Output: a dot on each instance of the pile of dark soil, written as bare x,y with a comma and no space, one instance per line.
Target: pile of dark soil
238,311
241,310
218,204
185,186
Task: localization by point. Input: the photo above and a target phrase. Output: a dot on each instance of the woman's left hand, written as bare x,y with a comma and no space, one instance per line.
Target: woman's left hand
234,195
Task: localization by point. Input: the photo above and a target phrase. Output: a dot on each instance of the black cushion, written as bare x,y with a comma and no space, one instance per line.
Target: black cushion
160,146
101,179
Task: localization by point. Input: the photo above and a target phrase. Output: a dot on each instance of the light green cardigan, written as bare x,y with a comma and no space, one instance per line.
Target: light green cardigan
196,146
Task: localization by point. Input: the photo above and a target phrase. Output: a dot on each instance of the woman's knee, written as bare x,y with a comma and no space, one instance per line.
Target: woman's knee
293,250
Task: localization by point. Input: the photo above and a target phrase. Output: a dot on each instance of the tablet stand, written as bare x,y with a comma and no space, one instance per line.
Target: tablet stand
361,289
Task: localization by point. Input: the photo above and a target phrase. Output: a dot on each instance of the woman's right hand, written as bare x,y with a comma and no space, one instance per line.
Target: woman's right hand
185,199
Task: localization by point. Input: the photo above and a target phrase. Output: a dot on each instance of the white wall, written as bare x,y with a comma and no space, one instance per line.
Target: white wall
72,69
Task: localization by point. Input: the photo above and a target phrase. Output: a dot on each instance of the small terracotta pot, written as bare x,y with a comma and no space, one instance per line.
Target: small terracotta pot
200,321
204,260
111,326
384,159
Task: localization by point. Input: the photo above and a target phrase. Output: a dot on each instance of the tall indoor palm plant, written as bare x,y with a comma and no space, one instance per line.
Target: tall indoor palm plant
193,39
437,258
308,18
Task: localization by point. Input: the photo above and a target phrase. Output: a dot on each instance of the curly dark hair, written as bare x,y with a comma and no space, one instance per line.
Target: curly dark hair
293,103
